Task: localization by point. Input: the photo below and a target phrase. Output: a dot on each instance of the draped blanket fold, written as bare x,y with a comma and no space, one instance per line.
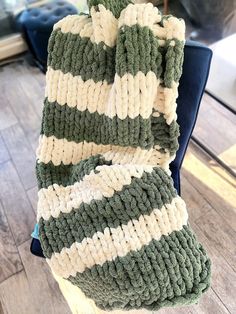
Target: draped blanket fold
110,220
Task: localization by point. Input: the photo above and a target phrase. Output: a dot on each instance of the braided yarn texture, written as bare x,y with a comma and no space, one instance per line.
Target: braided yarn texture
110,220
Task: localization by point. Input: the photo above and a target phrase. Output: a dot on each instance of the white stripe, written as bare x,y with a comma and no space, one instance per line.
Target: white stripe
148,15
129,96
113,242
100,27
73,91
58,199
165,102
133,96
59,151
144,14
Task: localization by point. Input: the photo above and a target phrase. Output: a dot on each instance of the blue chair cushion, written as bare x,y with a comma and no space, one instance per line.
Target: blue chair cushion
197,60
44,17
37,24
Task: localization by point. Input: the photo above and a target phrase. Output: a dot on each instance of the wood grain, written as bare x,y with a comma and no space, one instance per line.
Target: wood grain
220,234
21,153
33,197
223,275
20,215
210,180
10,262
21,104
209,304
7,117
196,205
216,122
32,79
15,295
46,295
4,155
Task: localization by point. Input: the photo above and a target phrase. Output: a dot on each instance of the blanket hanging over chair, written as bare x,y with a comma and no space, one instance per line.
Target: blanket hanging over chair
110,220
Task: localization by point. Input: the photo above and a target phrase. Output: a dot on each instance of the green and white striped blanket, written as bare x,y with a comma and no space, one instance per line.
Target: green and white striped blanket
110,220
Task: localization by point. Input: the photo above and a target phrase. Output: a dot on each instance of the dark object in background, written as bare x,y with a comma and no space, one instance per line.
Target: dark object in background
37,24
197,60
7,24
215,18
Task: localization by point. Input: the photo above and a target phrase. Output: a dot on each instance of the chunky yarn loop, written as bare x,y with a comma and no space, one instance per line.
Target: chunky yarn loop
110,220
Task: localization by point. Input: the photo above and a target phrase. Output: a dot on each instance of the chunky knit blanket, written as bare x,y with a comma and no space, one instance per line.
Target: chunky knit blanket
110,220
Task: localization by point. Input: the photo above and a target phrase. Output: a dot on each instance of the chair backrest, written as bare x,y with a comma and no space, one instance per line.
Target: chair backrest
197,60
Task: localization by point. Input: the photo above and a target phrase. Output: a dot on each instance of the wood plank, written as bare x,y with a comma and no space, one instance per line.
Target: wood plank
219,124
221,235
210,180
209,304
10,262
219,108
34,71
4,155
46,295
20,215
31,78
197,206
21,153
16,296
223,276
22,106
33,197
7,117
1,308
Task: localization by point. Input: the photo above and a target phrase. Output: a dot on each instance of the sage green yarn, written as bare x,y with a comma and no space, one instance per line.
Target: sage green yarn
100,129
165,135
95,61
167,272
101,62
49,174
152,190
137,50
173,63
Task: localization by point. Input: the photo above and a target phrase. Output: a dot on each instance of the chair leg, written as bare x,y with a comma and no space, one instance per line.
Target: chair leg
165,7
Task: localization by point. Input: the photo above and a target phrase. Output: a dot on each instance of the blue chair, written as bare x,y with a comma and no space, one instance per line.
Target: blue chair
197,60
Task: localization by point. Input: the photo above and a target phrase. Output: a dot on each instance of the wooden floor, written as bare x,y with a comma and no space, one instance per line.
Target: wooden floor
26,284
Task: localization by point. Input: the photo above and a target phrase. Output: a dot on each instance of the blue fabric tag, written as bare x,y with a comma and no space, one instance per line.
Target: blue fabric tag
35,233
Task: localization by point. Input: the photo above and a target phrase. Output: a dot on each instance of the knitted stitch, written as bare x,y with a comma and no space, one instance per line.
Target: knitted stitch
110,220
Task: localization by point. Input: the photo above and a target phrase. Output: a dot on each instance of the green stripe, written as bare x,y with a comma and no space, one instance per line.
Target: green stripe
152,190
137,50
75,125
78,126
165,135
79,56
173,63
49,174
114,6
172,271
